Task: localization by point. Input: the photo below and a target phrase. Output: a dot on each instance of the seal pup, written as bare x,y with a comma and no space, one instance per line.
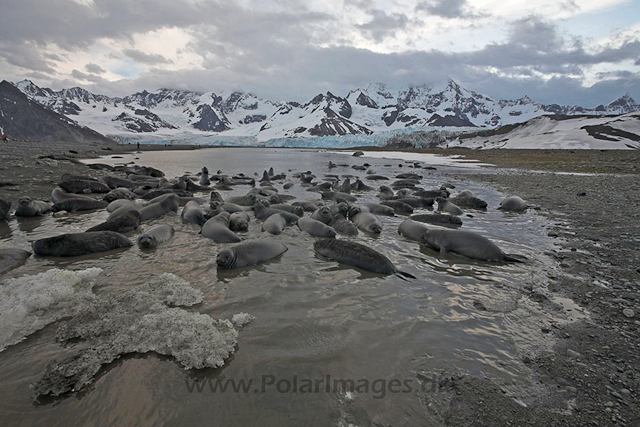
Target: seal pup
274,224
167,204
262,213
438,219
119,193
75,244
323,214
316,228
378,209
5,206
466,243
446,206
194,213
116,182
11,258
412,230
204,178
77,205
59,195
248,253
307,206
470,202
217,229
296,210
239,221
513,204
248,199
357,255
365,221
29,207
84,186
343,226
124,223
155,235
398,207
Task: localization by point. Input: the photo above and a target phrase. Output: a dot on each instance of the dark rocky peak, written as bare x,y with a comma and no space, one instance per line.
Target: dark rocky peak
366,101
624,104
210,120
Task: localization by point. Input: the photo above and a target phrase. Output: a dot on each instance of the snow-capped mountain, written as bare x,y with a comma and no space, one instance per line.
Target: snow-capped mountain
168,114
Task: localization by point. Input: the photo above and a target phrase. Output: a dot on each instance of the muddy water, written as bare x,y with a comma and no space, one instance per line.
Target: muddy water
317,322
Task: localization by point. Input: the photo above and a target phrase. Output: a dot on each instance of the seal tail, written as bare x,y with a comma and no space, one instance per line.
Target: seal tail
400,274
514,258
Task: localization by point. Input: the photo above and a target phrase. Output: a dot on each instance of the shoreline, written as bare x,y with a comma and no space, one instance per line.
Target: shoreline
593,376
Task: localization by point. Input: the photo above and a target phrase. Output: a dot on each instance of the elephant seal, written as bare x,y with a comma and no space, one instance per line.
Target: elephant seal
120,193
446,206
339,208
59,195
194,213
316,228
115,182
155,235
248,253
232,207
28,207
239,221
470,202
323,215
365,221
296,210
307,206
124,223
84,186
217,229
438,219
466,193
11,258
215,197
248,199
162,207
358,185
5,206
204,178
345,187
338,196
343,226
274,224
378,209
357,255
76,205
75,244
398,207
416,202
513,204
412,230
385,193
262,213
466,243
377,177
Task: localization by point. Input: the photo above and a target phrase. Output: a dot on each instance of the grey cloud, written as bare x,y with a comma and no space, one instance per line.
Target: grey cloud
146,58
94,69
26,55
87,77
383,25
448,9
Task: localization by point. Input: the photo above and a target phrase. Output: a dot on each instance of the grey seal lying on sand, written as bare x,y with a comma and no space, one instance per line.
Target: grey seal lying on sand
466,243
75,244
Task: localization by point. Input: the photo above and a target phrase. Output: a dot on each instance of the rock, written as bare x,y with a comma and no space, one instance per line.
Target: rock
573,354
582,193
628,313
358,153
60,214
616,394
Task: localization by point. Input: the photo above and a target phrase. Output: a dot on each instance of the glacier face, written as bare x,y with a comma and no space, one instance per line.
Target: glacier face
238,118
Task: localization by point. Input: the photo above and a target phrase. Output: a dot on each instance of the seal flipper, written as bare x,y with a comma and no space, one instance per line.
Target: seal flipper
515,258
400,274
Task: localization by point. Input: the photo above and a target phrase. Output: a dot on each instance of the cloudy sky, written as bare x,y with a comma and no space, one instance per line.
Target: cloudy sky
583,52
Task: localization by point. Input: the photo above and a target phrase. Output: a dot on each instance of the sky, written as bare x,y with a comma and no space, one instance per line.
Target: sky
569,52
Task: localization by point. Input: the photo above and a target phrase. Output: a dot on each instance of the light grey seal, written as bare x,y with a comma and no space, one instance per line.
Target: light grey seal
155,235
169,203
343,226
119,193
323,215
124,223
76,205
274,224
412,230
316,228
248,199
204,178
248,253
365,221
11,258
357,255
398,207
513,204
466,243
438,219
378,209
194,213
115,182
262,213
446,206
29,207
217,229
75,244
59,195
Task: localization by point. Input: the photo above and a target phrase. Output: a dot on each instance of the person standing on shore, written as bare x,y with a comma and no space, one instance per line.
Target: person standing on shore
4,137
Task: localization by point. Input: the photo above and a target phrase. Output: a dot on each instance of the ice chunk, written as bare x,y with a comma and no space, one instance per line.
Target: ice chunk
29,303
140,320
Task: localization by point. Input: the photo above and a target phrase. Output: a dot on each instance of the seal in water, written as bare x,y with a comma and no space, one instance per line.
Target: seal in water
29,207
248,253
357,255
466,243
155,235
446,206
412,230
365,221
316,228
217,228
513,204
438,219
194,213
169,203
274,224
75,244
124,223
11,258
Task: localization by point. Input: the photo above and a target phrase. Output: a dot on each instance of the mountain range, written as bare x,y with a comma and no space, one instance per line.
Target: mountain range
176,115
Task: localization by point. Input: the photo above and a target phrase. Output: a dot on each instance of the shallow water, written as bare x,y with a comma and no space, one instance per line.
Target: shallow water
314,318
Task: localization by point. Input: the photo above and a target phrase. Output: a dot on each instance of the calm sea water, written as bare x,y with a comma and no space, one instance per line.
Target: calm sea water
317,322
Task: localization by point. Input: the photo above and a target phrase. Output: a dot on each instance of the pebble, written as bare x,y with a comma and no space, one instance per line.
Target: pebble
616,394
573,354
60,214
628,313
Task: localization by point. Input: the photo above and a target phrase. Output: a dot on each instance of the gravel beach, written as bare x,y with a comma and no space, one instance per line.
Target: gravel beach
593,375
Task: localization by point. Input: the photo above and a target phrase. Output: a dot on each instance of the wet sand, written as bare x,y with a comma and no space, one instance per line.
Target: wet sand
593,375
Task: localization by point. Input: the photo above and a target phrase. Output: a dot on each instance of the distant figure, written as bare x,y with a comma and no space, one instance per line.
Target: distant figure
138,145
4,137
